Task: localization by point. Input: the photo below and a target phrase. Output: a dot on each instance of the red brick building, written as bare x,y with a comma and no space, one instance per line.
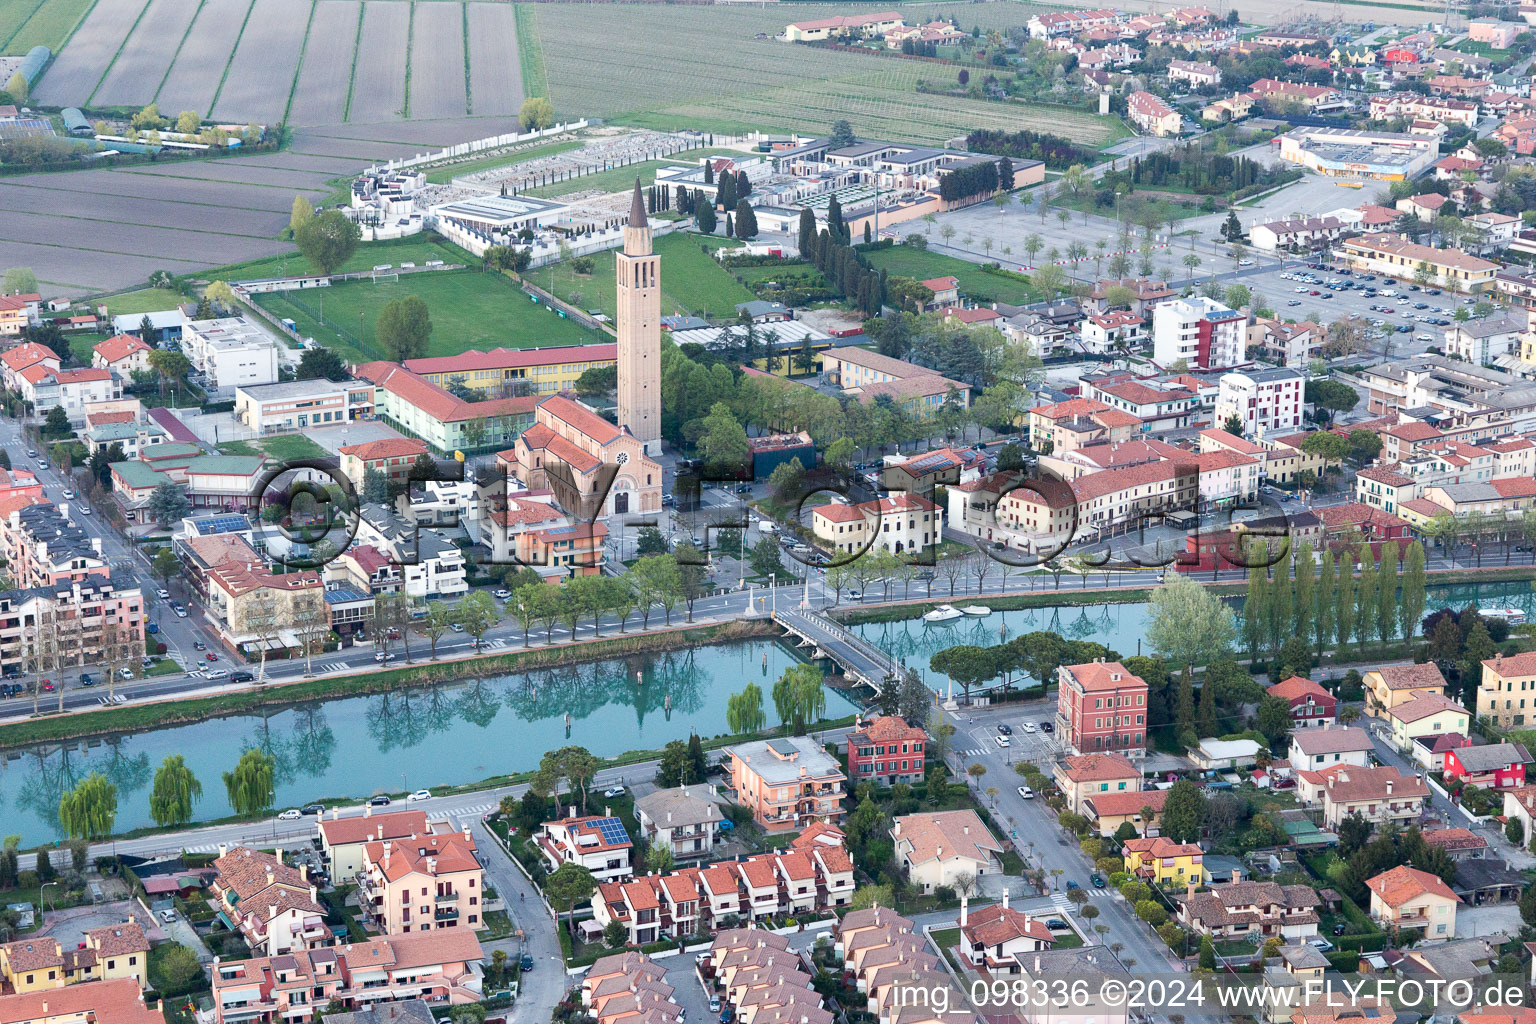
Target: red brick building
1311,705
886,750
1101,706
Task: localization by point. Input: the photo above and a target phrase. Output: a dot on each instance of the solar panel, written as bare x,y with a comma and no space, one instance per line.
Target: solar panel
612,830
222,524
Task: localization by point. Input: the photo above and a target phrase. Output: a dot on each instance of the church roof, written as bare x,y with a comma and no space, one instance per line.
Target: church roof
637,218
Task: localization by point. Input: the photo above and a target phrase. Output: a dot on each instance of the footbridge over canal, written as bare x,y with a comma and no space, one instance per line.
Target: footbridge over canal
857,657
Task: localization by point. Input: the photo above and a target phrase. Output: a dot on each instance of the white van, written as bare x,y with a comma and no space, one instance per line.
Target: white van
768,527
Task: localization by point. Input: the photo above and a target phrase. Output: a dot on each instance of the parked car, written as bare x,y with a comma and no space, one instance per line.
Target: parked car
1005,728
613,791
1047,727
168,916
86,680
242,677
526,963
1029,726
1026,793
456,627
291,814
419,795
502,594
316,809
379,801
1004,741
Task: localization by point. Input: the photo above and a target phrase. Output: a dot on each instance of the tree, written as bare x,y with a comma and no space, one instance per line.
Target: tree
88,810
1410,607
1207,954
723,442
19,280
321,364
1274,720
1325,445
569,887
615,934
705,216
572,763
176,789
658,859
327,240
404,328
765,558
169,504
744,711
1188,624
176,970
250,786
536,114
842,134
302,211
18,86
746,220
56,423
1331,396
1183,812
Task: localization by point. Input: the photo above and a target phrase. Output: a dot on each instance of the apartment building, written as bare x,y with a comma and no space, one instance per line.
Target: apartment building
302,404
1149,113
40,963
1063,427
1506,695
124,353
786,783
96,620
230,352
687,818
1393,255
1263,401
1085,776
447,423
274,907
437,967
342,839
117,1002
1101,706
419,563
897,523
886,750
1199,333
598,843
392,457
940,848
1383,795
1405,897
1312,750
509,372
422,883
253,607
1240,909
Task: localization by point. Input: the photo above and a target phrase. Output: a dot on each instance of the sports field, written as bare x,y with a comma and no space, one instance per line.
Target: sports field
417,249
691,281
922,265
469,309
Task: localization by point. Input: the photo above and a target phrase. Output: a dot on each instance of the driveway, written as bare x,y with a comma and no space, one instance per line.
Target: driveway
70,926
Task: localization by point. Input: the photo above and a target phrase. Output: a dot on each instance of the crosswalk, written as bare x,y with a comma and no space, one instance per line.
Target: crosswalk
1060,902
973,752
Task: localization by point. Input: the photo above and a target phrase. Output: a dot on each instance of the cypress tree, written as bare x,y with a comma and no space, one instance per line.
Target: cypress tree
1206,717
807,232
1280,602
1184,714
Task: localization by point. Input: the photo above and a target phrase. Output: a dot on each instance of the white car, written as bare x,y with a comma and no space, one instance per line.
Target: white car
1029,726
291,814
181,613
168,916
69,492
502,594
1003,741
419,795
163,595
456,627
85,510
126,673
1026,793
613,791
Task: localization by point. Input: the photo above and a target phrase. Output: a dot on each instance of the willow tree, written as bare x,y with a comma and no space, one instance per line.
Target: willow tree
176,790
250,786
88,810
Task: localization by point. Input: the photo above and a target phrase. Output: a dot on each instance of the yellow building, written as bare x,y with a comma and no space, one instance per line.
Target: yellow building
113,953
506,372
1406,897
1391,685
14,315
1430,715
1507,693
1286,459
1162,861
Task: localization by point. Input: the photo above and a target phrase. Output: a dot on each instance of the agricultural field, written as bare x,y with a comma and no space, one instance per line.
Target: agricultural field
495,74
145,300
321,94
378,80
662,67
469,309
922,265
28,23
260,73
202,58
76,71
438,73
691,281
136,74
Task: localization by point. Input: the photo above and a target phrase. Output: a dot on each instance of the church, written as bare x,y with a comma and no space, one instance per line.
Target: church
573,451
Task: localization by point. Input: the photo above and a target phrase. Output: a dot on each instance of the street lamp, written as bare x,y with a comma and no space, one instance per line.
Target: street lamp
773,593
42,889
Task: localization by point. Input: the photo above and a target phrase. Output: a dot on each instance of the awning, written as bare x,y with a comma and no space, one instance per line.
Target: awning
225,921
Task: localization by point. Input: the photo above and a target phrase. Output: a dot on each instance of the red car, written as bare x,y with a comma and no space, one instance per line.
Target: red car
48,685
212,656
1389,309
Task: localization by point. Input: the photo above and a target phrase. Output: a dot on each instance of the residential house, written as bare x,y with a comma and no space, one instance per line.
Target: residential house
944,847
687,819
342,839
1197,73
1240,909
1458,843
1311,705
1485,339
1296,233
1101,707
110,1002
1431,715
392,457
996,938
123,353
1506,687
1154,117
787,782
1163,862
40,963
1140,810
1491,766
1405,897
1382,795
274,907
598,843
886,750
1084,777
1213,755
1391,685
1313,750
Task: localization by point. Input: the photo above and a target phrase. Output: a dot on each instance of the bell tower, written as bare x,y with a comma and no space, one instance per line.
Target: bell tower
639,327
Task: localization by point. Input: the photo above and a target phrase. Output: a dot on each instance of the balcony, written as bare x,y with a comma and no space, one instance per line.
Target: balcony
446,897
445,914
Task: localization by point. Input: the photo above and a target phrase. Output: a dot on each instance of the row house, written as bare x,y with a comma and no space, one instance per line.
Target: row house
629,986
885,956
422,883
1410,106
1382,795
1243,909
996,938
1227,478
811,878
274,907
896,523
1149,113
440,968
40,963
1070,23
1197,73
1296,233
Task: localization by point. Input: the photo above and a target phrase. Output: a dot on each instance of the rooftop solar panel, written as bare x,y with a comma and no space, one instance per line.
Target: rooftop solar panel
612,830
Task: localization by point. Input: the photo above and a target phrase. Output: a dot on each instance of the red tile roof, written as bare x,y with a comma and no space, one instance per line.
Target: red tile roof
509,358
386,448
121,346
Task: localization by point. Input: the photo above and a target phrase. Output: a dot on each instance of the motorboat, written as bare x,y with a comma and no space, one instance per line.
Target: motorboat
943,613
1513,616
976,609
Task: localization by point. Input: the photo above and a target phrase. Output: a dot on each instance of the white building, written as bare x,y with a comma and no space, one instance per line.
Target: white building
301,404
391,553
1106,333
1313,750
1262,400
899,523
1198,331
1483,340
230,351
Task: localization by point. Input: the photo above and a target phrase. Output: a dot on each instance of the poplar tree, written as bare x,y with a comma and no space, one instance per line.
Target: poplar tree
1304,593
1410,609
1255,614
1386,593
1280,602
1365,595
1322,616
1344,599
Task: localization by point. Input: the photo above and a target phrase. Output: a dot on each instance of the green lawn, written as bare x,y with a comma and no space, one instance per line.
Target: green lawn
83,345
164,667
691,281
49,24
922,264
417,249
469,309
620,178
446,173
145,300
283,447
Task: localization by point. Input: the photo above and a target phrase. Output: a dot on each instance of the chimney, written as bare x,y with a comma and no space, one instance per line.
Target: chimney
1037,963
965,909
1189,889
387,845
466,833
1389,787
966,829
1237,874
270,877
336,811
938,852
669,817
1005,899
367,810
897,830
431,865
314,897
223,849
